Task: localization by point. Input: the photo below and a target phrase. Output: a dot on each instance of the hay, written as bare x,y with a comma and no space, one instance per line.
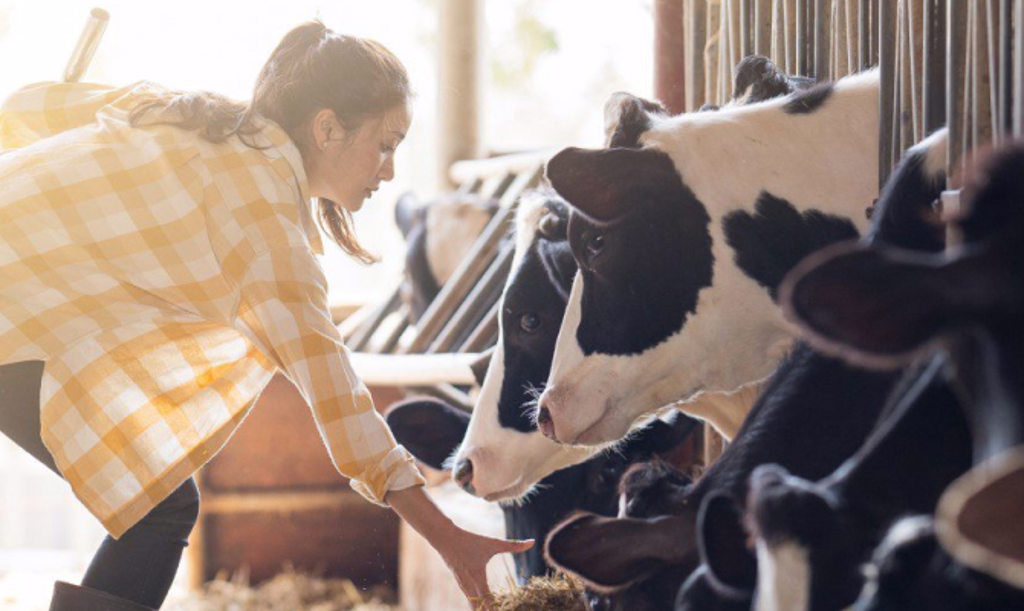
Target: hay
288,590
557,593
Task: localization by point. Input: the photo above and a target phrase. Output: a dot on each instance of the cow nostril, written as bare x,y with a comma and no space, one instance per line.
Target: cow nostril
464,474
545,424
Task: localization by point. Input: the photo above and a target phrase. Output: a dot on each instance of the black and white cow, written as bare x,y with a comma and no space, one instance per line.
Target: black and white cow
503,454
886,307
815,412
812,537
682,237
438,234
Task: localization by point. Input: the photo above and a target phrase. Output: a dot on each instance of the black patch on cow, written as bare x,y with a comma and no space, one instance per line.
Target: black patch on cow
764,80
772,240
643,271
539,289
809,100
634,119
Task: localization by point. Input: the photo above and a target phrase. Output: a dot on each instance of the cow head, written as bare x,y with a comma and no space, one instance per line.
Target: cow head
680,256
503,455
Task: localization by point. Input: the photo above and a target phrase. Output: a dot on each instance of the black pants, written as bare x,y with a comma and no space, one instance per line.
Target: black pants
139,566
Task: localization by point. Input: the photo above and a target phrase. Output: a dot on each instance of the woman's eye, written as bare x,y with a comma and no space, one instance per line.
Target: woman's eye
529,322
594,243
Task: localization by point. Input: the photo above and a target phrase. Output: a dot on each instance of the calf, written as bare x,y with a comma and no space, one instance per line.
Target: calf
437,234
682,233
814,413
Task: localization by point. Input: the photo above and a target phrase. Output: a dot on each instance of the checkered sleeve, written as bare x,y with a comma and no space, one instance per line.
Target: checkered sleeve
284,303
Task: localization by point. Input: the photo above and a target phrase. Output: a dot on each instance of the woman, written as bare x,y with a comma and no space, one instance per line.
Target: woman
157,267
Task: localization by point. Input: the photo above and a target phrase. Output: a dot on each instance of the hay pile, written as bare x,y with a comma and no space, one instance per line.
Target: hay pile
557,593
288,590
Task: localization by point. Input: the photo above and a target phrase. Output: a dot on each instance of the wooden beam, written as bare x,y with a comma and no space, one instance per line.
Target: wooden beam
669,55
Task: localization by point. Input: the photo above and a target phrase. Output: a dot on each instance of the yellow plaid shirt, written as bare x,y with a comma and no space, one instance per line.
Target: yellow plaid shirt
164,279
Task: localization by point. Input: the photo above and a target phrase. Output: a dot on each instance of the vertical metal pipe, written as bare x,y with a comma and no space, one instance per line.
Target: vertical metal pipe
746,31
695,27
956,16
863,34
1005,67
801,38
1018,68
934,62
822,29
886,94
88,42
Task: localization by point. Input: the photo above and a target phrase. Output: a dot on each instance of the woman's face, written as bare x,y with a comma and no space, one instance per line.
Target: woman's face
348,166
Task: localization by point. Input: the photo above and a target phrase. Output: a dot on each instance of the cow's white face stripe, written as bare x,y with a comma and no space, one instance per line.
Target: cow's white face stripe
783,577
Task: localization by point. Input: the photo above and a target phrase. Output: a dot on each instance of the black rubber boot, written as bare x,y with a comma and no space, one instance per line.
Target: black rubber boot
68,597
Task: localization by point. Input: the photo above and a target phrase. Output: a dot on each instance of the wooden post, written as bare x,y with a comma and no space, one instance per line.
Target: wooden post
459,91
669,55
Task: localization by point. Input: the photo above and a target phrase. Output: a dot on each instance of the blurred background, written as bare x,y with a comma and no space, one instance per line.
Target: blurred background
545,70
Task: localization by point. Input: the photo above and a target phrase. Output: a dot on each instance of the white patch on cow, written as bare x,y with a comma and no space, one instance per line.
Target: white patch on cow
507,463
452,226
934,148
783,577
825,160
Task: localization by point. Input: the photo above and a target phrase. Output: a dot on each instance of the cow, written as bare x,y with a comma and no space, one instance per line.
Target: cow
811,538
682,230
887,307
438,234
814,413
503,454
910,571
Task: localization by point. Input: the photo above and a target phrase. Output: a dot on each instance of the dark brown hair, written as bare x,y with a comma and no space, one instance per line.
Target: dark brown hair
312,68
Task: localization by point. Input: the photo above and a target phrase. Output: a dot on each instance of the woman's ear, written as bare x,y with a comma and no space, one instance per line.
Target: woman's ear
325,128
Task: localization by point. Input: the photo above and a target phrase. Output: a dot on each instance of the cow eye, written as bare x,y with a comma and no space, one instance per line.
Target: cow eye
594,243
529,322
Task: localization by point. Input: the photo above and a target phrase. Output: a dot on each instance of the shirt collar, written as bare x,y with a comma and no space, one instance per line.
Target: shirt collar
290,154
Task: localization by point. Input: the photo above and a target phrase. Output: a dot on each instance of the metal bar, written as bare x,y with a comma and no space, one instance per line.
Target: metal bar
669,55
802,61
956,14
934,62
762,28
1017,111
746,31
886,94
486,332
822,28
477,302
88,42
361,337
864,34
1005,68
695,29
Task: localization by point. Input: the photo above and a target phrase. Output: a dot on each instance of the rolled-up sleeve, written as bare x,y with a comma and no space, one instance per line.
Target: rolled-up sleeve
283,306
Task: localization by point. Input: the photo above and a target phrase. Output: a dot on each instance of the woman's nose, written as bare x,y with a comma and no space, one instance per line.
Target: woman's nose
387,171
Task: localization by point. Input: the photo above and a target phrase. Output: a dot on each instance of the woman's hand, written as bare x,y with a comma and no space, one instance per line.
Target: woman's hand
465,553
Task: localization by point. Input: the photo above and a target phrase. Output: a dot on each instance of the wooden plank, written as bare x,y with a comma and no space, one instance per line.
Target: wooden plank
414,369
669,55
280,501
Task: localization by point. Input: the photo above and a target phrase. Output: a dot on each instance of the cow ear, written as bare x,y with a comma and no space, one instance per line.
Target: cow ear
610,554
408,213
661,435
722,541
480,365
597,181
979,521
627,116
875,307
430,429
760,79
